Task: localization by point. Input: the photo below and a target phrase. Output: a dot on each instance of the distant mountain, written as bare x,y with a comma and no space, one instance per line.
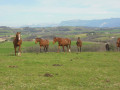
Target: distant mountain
41,25
113,22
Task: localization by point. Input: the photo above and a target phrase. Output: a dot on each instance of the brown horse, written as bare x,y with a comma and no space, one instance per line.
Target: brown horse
79,44
118,44
63,42
17,42
43,43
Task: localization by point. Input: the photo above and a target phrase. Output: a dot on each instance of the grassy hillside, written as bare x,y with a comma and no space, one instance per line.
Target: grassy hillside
60,71
93,69
8,48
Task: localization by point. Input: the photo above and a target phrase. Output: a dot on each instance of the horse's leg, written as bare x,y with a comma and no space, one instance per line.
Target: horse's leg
20,50
58,48
44,48
108,49
80,48
15,50
47,48
67,48
63,48
117,49
40,48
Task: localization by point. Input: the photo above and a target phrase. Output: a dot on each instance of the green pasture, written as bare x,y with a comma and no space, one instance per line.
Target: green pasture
7,47
60,71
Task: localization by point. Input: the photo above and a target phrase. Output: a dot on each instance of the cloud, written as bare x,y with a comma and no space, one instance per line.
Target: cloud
58,10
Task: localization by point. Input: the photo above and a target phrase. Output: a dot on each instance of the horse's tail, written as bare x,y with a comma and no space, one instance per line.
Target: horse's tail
70,46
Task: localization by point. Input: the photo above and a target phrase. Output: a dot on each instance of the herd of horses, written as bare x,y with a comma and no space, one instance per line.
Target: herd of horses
45,43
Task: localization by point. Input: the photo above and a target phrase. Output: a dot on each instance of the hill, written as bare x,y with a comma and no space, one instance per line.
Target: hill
113,22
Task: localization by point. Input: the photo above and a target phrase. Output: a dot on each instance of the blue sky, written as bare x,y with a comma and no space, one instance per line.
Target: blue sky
26,12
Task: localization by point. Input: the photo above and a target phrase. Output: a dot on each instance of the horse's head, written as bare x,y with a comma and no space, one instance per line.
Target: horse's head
54,40
36,40
18,36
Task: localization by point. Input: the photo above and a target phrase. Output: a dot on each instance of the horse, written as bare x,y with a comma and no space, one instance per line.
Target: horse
79,44
63,42
43,43
107,47
118,44
17,42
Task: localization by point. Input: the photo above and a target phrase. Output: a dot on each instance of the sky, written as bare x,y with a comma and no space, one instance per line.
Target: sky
27,12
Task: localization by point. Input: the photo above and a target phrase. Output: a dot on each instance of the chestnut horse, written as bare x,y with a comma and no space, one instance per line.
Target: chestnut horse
118,44
43,43
63,42
17,42
79,44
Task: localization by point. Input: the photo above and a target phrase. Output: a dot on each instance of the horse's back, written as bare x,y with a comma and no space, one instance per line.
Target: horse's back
47,41
44,42
69,41
63,41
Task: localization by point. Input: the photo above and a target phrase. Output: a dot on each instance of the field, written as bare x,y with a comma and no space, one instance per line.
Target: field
93,69
58,71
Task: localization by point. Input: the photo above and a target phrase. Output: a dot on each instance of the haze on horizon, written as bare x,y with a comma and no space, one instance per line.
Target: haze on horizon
25,12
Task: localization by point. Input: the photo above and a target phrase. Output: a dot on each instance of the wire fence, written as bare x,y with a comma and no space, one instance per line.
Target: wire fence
98,47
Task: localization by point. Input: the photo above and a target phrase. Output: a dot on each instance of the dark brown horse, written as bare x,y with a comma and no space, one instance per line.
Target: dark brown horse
43,43
79,44
118,44
107,46
63,42
17,42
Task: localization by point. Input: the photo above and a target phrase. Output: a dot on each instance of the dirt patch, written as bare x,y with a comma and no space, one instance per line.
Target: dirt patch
107,81
12,66
48,75
70,59
57,65
56,74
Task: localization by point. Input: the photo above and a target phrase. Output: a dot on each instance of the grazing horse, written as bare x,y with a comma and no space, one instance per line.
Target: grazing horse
107,47
17,42
79,44
43,43
63,42
118,44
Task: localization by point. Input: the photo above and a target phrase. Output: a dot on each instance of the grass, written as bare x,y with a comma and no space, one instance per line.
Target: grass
81,35
86,71
7,47
73,71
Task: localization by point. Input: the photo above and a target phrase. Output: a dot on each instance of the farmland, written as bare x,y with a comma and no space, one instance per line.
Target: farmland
58,71
92,69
